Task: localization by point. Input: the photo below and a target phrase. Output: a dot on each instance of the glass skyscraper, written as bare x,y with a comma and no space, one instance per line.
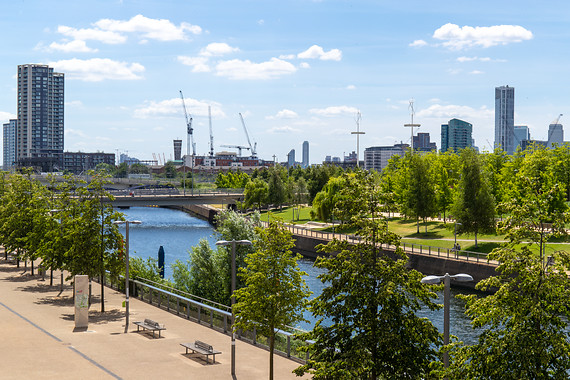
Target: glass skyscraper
456,135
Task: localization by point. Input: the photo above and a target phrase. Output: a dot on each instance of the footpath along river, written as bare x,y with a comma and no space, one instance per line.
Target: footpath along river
178,232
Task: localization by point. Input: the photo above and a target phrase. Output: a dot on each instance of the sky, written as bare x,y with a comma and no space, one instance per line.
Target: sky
298,70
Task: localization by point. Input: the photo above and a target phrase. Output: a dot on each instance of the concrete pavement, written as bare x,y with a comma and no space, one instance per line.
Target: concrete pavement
38,338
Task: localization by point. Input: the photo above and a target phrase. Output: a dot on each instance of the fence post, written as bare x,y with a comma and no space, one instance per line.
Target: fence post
288,346
254,336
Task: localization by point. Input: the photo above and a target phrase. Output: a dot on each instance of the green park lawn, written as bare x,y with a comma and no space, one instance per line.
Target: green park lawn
438,234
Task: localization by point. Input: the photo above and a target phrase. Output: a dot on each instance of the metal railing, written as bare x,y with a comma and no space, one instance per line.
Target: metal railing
213,315
173,192
421,249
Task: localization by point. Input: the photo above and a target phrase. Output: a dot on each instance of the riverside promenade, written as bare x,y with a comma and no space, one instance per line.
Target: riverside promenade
38,339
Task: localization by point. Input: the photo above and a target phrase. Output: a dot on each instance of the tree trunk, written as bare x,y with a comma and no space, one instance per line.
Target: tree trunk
271,349
418,225
476,246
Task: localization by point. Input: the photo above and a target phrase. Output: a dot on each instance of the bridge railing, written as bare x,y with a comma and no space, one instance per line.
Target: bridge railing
172,192
414,248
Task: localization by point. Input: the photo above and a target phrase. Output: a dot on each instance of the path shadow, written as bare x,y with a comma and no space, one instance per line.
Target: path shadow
38,288
23,277
98,318
10,269
197,358
56,301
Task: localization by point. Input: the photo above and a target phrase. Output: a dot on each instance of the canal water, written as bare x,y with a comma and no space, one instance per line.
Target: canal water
178,232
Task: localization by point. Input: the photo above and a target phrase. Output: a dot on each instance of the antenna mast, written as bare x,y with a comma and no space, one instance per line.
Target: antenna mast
211,134
412,125
358,133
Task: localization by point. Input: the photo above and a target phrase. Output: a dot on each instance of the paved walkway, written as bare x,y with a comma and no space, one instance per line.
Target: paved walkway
38,339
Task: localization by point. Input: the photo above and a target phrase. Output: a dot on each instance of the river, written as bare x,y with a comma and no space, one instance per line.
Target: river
178,232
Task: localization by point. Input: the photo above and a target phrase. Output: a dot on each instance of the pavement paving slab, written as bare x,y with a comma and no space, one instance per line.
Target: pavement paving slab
39,339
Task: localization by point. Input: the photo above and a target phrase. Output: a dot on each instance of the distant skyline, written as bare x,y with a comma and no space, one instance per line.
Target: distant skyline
297,70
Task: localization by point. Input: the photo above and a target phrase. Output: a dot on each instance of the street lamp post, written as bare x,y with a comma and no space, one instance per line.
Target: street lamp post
461,277
233,243
127,223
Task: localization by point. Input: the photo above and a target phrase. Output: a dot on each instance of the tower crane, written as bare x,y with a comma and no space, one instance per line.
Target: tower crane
253,148
211,134
238,147
190,130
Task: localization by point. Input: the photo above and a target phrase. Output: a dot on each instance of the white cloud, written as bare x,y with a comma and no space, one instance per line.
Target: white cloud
317,52
476,72
105,36
238,69
456,37
283,129
284,114
304,65
5,116
198,64
351,87
451,111
218,49
334,111
480,59
75,46
418,43
155,29
260,22
173,107
98,69
287,56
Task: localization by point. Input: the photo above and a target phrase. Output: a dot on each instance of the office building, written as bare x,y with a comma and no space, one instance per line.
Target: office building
456,135
39,133
422,143
177,150
377,157
555,134
505,118
291,158
305,162
10,144
521,133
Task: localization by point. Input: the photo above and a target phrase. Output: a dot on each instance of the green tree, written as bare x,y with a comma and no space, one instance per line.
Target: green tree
419,196
256,193
275,293
276,184
474,206
369,301
524,321
170,170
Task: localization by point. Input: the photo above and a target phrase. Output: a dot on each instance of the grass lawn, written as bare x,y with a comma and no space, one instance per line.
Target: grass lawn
438,234
302,215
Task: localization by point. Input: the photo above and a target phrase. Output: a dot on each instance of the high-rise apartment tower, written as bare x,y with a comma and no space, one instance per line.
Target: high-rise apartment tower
10,144
305,163
39,134
505,118
177,150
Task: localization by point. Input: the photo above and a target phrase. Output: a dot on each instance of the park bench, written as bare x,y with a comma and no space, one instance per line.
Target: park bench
201,348
150,325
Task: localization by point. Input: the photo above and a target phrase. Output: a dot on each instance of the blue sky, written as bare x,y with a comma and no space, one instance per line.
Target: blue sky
297,70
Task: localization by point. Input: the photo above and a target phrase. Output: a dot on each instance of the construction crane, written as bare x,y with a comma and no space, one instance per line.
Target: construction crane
211,134
190,130
238,147
254,147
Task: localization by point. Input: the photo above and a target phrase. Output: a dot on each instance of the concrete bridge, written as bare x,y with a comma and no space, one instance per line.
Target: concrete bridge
147,198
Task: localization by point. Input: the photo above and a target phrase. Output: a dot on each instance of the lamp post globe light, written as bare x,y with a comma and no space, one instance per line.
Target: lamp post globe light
127,223
233,244
461,277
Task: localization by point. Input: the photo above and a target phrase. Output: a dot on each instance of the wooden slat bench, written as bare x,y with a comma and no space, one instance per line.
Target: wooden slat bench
201,348
149,324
